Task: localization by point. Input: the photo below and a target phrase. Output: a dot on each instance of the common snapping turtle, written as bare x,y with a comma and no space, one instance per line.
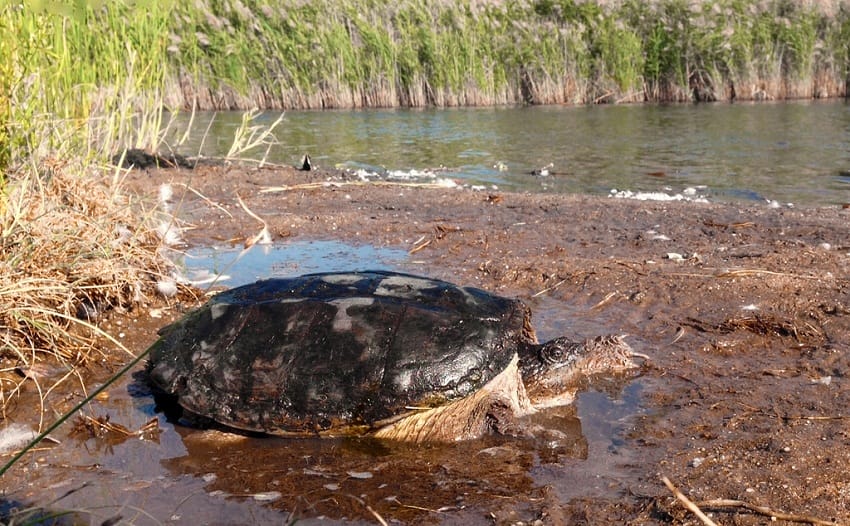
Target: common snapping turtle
393,355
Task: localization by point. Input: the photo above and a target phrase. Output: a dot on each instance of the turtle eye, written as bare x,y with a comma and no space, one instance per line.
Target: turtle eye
553,354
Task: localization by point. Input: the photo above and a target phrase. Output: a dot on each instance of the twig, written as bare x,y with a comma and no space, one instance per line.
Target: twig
204,198
547,289
631,267
263,237
687,503
727,273
757,272
419,245
680,331
323,184
413,507
813,418
378,517
764,510
604,301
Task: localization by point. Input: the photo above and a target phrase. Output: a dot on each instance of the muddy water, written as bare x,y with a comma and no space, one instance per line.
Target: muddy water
791,152
182,474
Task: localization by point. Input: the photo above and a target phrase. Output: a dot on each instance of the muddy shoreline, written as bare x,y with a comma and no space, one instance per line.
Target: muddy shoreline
744,311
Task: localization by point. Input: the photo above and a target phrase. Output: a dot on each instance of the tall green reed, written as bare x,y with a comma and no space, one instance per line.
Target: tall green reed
354,53
80,81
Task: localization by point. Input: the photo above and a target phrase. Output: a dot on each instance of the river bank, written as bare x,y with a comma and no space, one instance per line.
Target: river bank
743,396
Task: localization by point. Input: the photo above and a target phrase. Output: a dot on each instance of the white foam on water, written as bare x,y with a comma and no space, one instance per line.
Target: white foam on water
689,195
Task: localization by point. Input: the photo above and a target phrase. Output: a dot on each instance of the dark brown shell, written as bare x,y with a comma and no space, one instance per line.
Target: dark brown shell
335,353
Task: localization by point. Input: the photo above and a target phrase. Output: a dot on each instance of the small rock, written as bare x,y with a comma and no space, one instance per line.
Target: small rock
825,380
266,496
360,474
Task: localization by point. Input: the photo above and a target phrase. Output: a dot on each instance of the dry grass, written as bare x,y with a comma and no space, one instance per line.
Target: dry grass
71,247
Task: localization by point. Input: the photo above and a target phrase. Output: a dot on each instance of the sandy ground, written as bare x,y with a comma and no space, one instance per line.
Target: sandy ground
744,311
746,394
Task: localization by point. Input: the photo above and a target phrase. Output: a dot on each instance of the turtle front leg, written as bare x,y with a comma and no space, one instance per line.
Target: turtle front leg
502,420
493,408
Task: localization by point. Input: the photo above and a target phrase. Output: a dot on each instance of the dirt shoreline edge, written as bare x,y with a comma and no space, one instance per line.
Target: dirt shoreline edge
743,310
748,332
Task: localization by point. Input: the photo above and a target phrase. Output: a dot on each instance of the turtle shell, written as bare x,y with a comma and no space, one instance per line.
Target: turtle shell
336,353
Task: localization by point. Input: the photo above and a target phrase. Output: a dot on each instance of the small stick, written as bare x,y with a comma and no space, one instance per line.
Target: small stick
680,331
309,186
687,503
764,510
547,289
604,301
419,246
205,198
263,237
377,516
814,418
757,272
413,507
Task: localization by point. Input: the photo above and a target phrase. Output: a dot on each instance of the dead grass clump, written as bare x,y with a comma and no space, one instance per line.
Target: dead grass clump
71,247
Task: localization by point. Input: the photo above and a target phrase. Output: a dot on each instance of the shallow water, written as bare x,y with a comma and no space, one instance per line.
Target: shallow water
797,152
233,266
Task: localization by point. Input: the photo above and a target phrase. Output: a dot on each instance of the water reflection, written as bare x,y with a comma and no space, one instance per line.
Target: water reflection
234,266
351,478
790,152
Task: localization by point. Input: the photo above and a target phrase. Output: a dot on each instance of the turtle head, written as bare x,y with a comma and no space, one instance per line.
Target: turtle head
551,370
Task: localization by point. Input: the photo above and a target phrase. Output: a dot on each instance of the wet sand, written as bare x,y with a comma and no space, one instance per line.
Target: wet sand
744,397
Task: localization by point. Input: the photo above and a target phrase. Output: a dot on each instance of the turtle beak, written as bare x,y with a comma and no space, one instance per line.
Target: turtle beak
613,353
644,357
630,354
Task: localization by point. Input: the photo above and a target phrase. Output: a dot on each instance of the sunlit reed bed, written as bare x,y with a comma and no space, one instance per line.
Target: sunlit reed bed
355,53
